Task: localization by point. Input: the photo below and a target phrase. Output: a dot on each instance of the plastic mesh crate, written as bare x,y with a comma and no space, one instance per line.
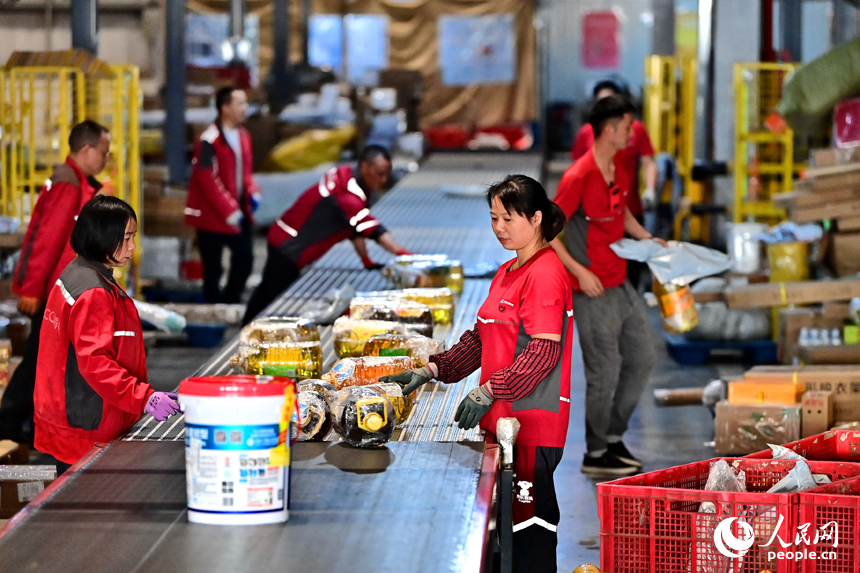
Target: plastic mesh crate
839,503
832,446
651,523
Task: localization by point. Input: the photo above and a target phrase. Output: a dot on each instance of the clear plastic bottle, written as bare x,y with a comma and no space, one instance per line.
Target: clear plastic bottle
313,415
366,370
402,404
676,306
418,347
351,335
279,329
835,337
824,337
364,417
297,360
805,337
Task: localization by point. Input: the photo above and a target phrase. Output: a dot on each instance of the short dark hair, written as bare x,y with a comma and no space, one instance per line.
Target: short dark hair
224,96
371,152
523,195
100,229
608,109
86,133
608,84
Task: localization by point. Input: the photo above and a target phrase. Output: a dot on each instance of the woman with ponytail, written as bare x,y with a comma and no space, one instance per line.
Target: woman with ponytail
522,343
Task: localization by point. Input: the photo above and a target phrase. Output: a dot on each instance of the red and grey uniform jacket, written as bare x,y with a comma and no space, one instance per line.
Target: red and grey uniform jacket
334,209
91,379
46,250
212,192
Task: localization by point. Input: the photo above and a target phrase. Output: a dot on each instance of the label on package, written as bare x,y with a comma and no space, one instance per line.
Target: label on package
230,468
27,491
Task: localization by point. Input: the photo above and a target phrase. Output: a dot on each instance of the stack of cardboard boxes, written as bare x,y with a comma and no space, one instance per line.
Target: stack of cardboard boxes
782,404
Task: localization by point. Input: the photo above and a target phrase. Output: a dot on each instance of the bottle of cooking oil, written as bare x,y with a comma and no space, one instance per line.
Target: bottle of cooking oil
677,307
364,417
417,317
296,360
402,404
366,370
313,416
426,271
418,347
351,335
279,329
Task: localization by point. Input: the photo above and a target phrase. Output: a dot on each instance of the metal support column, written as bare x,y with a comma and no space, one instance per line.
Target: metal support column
306,30
791,30
843,26
174,124
280,59
237,19
84,14
704,142
663,32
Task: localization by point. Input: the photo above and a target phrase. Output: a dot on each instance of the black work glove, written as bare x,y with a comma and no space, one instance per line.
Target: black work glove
473,407
410,380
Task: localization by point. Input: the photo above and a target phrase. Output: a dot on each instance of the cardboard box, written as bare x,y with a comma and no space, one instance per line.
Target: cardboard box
848,224
791,320
833,156
843,381
845,254
833,210
744,429
805,292
19,485
13,453
817,414
844,354
785,392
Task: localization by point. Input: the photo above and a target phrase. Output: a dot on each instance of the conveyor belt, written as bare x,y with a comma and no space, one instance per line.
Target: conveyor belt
424,219
422,507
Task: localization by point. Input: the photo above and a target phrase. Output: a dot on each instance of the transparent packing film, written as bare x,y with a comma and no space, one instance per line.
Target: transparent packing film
440,300
420,348
417,316
313,417
426,271
296,360
279,329
364,417
350,335
366,370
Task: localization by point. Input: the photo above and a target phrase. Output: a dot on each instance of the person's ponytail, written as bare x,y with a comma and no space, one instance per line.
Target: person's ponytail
553,221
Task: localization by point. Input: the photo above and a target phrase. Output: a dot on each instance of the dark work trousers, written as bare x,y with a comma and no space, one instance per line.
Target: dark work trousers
279,273
17,405
211,247
536,513
634,268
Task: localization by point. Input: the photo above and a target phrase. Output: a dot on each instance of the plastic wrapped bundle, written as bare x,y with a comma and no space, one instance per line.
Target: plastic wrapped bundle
676,306
426,271
420,348
417,317
350,335
402,404
279,329
440,300
313,415
321,386
364,417
366,370
296,360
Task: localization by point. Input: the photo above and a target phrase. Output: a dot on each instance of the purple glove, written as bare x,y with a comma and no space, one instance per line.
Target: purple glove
162,405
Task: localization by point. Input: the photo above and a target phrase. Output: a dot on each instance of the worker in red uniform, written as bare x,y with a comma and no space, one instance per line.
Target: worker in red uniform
44,254
638,153
614,332
522,344
91,376
328,212
222,198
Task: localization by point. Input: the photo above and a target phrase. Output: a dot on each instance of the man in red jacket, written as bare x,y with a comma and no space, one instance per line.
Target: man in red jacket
330,211
222,198
45,253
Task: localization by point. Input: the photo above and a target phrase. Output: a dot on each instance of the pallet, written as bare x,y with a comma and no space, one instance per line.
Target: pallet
698,352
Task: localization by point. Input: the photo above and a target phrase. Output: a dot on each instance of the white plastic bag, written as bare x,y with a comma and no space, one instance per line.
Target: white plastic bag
678,264
161,318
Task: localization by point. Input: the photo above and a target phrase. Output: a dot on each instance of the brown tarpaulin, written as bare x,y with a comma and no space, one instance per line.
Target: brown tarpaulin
414,46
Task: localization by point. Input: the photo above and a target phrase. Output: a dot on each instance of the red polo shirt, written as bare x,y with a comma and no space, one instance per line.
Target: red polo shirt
640,146
595,218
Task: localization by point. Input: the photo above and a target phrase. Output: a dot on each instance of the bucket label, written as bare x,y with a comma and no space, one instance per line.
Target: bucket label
231,470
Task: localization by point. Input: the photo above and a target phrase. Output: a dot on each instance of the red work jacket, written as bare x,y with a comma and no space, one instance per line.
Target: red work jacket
212,192
46,250
91,372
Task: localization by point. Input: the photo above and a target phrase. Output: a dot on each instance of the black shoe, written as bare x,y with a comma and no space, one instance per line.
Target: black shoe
607,465
620,451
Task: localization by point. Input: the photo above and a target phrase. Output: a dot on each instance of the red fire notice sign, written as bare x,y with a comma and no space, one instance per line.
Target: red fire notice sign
600,40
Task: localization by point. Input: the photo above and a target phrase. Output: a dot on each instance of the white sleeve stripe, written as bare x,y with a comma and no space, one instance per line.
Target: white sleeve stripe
366,225
123,333
353,187
287,228
323,191
563,399
359,216
66,295
535,521
193,212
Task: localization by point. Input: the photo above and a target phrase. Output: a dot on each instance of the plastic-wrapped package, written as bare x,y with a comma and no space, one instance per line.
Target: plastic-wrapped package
296,360
418,347
366,370
799,478
416,316
313,415
279,329
332,304
426,271
161,318
440,300
676,306
783,453
350,335
402,404
321,386
722,477
744,246
364,417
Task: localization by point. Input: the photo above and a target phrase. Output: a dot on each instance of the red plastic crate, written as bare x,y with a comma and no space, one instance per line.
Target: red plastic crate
839,502
832,446
651,523
447,136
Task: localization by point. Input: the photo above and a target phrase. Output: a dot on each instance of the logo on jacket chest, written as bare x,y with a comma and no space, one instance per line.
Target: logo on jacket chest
51,317
504,304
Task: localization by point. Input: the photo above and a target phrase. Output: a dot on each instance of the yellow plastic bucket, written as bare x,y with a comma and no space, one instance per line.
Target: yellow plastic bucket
789,262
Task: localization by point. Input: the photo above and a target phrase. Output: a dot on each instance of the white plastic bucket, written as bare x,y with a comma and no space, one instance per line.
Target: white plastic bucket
237,456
